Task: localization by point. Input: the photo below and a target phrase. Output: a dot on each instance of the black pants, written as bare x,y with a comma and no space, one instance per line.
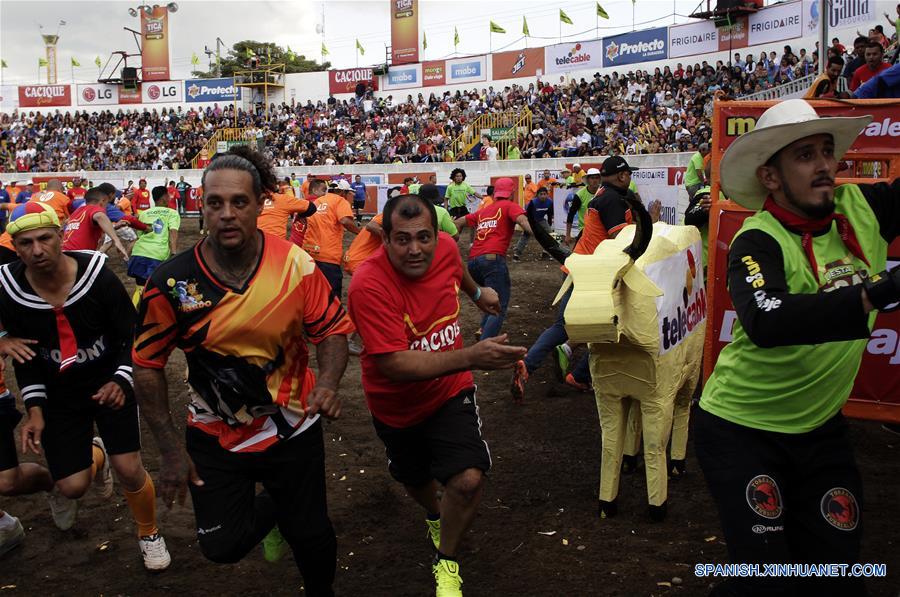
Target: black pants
783,498
335,276
232,518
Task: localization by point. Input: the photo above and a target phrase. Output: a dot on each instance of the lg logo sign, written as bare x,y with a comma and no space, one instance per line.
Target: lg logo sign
163,92
88,94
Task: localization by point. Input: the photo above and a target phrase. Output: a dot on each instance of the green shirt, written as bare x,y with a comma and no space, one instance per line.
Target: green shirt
632,187
585,197
795,389
695,167
154,243
457,193
513,153
445,222
414,188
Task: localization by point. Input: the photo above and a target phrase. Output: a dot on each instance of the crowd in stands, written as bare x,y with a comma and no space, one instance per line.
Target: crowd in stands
667,110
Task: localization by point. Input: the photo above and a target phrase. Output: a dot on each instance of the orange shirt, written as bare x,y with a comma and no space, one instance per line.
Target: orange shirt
285,189
125,205
6,241
56,200
325,235
276,212
546,182
485,201
531,190
362,246
13,193
304,188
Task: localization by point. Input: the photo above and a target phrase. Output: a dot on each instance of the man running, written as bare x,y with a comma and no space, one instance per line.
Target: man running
155,244
54,197
359,197
79,314
316,188
416,374
806,276
457,193
540,210
242,305
277,211
324,239
85,227
494,227
140,199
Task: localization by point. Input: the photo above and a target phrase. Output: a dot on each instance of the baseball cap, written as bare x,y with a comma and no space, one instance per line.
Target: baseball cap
30,216
576,165
614,165
592,172
504,188
343,185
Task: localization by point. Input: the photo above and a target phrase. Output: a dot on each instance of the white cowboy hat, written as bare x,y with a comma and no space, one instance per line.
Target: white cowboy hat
778,127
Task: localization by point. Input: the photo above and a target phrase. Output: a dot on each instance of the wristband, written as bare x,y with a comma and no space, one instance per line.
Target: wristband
881,289
475,296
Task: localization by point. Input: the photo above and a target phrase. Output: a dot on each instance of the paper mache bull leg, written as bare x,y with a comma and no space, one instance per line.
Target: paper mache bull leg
633,438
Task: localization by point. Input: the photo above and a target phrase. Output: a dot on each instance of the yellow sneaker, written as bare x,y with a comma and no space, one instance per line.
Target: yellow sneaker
447,578
434,531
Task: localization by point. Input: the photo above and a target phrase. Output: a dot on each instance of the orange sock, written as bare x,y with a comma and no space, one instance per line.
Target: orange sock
99,459
143,508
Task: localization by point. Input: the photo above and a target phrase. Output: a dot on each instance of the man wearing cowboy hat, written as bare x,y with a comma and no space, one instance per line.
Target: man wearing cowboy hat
806,275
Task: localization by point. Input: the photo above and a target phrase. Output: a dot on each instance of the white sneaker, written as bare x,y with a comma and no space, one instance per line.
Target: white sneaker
62,509
153,549
11,536
104,478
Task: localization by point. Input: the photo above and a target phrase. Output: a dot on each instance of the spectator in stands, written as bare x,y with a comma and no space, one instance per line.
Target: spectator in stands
875,63
858,57
826,84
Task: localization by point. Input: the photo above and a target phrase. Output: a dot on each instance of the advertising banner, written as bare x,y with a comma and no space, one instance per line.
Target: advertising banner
518,63
155,50
404,31
776,23
434,73
849,13
403,77
466,70
561,58
346,80
130,96
97,94
692,39
45,96
211,90
635,47
735,36
167,92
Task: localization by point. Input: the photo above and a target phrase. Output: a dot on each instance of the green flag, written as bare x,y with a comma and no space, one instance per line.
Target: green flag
564,17
601,13
324,49
42,62
75,62
525,31
249,53
495,28
455,37
424,41
290,54
97,61
3,64
359,47
195,60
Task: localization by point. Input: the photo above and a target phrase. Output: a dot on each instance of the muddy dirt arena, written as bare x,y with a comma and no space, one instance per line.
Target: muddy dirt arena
536,532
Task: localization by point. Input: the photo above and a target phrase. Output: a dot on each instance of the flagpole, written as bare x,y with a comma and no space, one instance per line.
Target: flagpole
632,14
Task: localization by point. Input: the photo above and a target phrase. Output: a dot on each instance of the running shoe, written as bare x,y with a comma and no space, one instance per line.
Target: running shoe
154,552
11,537
583,387
517,257
517,386
561,362
274,546
63,510
447,579
434,531
104,478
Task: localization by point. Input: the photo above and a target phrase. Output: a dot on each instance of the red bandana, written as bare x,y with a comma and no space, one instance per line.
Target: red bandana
68,346
806,227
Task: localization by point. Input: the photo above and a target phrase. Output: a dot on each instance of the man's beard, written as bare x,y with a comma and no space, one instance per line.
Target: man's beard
813,212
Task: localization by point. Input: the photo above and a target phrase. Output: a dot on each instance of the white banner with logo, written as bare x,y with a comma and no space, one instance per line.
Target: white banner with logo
402,77
466,70
561,58
692,39
779,22
9,97
162,92
849,13
97,94
653,185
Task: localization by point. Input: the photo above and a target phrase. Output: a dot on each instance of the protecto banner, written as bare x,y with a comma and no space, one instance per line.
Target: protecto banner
466,70
735,36
97,94
779,22
518,63
434,73
635,47
692,39
165,92
403,77
849,13
562,58
44,96
211,90
345,80
155,50
404,31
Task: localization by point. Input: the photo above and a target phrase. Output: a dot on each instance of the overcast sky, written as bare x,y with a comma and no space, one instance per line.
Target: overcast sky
96,28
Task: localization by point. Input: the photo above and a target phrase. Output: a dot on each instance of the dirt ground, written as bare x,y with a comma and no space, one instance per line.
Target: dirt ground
536,533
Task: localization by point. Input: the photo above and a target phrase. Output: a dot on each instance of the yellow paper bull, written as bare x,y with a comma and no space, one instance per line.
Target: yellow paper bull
644,322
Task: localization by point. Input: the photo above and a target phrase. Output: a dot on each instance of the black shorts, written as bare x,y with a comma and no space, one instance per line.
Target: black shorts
459,212
69,429
7,255
443,445
9,418
359,203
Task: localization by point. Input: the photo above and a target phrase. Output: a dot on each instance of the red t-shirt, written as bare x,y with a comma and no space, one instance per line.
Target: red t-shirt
82,233
394,314
494,226
141,200
864,73
75,193
174,196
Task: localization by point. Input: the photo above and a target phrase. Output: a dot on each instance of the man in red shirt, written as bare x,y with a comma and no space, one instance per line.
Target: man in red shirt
494,226
874,64
404,301
77,191
86,225
174,197
141,199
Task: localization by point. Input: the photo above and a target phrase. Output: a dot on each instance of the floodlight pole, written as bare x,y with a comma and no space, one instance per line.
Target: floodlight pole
824,7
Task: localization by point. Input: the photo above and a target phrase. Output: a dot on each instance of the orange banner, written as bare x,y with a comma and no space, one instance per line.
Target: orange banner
518,63
404,31
155,53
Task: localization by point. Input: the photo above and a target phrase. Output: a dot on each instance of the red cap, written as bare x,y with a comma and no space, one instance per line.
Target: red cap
504,188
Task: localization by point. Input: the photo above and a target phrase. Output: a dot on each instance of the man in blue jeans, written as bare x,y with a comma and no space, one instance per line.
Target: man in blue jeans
494,226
